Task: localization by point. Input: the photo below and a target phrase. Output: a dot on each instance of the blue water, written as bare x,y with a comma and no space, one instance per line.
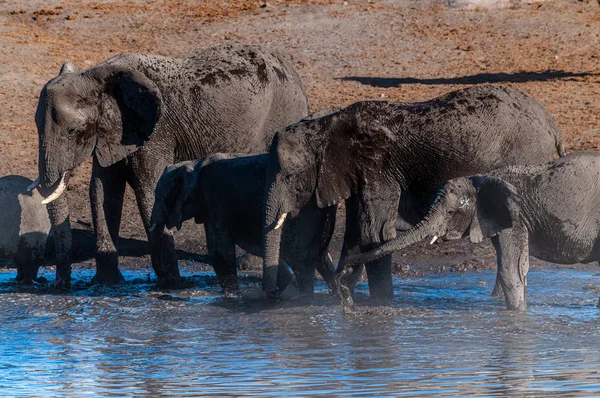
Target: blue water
442,335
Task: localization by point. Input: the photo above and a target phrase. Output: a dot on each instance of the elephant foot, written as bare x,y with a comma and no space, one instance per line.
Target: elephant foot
63,276
291,292
254,293
25,281
229,284
62,284
230,290
108,278
171,283
498,291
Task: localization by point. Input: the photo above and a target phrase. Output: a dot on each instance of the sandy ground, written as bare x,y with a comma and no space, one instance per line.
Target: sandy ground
345,51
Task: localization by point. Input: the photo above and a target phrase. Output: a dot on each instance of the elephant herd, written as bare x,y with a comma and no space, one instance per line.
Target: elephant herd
224,137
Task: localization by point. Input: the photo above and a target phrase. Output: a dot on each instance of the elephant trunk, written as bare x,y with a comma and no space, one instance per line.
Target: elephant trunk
422,230
514,287
52,184
58,211
274,218
272,242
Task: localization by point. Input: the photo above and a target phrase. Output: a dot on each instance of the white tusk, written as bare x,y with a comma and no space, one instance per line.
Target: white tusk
330,264
57,192
280,221
433,240
34,184
152,227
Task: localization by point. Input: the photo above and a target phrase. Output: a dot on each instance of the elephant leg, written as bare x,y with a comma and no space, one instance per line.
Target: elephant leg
221,250
144,171
378,209
348,278
162,245
512,251
107,189
29,258
20,274
327,271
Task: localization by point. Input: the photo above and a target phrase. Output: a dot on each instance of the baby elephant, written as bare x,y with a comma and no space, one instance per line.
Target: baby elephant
225,193
551,211
24,226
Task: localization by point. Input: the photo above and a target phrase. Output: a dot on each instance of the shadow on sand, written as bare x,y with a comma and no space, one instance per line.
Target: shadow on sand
480,78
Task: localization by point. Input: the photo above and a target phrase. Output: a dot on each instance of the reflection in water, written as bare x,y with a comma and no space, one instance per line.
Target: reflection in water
444,335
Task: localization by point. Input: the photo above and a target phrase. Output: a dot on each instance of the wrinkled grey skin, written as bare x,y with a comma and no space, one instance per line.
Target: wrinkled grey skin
24,226
136,114
225,193
551,211
386,160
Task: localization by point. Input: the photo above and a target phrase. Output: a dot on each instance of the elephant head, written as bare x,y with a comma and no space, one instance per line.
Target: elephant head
477,206
327,160
109,111
176,198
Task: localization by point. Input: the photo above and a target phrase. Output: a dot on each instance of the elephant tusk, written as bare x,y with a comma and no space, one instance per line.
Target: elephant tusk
62,186
330,263
33,184
280,221
433,240
152,227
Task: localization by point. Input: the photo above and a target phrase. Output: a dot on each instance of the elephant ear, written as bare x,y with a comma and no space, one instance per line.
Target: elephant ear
183,186
497,207
355,152
133,103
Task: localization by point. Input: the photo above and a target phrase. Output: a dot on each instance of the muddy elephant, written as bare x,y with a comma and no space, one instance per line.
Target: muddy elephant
24,226
225,193
136,114
550,211
386,159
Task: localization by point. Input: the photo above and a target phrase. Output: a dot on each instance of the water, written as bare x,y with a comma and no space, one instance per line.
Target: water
442,335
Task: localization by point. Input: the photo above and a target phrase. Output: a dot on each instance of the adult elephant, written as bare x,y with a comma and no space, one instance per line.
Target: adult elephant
385,158
136,114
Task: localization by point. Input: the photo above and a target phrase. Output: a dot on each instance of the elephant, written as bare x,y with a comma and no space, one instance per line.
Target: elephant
24,226
386,159
225,193
550,211
136,114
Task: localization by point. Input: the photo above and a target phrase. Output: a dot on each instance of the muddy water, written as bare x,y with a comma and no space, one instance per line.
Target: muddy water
443,335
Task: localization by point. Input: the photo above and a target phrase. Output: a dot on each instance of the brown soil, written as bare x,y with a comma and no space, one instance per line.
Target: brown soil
345,51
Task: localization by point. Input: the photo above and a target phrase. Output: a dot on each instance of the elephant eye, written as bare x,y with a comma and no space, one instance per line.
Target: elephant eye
71,131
